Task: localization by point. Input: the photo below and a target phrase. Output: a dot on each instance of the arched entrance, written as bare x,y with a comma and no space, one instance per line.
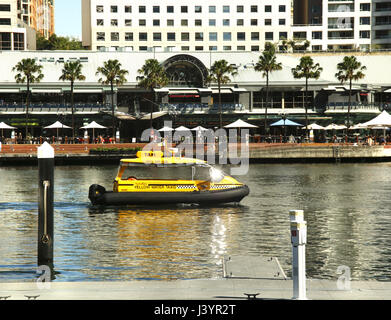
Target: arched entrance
185,71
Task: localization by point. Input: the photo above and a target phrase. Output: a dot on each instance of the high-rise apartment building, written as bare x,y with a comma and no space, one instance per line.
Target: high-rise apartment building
169,25
21,19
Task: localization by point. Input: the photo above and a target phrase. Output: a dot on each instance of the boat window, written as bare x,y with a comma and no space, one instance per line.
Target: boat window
152,172
216,175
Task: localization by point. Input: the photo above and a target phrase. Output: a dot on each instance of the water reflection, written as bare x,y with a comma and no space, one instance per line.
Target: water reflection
347,208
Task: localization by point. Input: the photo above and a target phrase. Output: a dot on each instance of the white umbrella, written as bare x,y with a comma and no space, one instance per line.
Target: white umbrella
240,124
93,125
199,128
182,128
5,126
382,121
314,126
358,126
165,129
57,125
334,126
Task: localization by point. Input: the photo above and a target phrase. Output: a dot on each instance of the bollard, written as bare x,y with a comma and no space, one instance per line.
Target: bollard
45,205
298,239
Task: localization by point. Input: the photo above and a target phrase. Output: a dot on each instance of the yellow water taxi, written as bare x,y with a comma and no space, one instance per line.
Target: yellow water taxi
152,178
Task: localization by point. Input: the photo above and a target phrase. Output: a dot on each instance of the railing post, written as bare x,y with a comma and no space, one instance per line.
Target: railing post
299,240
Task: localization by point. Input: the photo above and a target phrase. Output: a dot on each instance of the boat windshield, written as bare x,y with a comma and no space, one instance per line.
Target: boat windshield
203,172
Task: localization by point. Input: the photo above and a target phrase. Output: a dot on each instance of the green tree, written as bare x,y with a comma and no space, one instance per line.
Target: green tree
266,64
112,75
220,73
349,70
309,70
57,43
30,72
72,72
152,76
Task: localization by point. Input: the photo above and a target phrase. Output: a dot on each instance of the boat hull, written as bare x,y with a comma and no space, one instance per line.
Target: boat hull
99,196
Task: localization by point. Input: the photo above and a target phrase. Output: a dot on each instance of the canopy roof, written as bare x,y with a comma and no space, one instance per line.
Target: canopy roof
157,158
165,128
382,120
182,128
3,125
199,128
334,126
314,126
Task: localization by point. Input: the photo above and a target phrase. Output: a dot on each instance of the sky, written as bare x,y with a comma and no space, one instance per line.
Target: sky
68,18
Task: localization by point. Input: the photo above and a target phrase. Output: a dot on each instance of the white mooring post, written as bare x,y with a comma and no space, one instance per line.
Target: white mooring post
298,239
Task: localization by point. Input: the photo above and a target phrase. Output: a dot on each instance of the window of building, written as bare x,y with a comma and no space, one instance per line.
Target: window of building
365,20
268,35
239,22
198,9
100,36
227,36
283,35
212,22
317,48
184,22
115,36
281,22
143,36
18,41
142,22
365,34
254,36
254,8
128,9
226,22
128,36
128,22
365,7
212,48
212,36
227,48
170,9
317,35
113,9
199,36
268,8
225,9
185,48
184,9
254,22
141,9
99,22
239,8
199,48
241,36
156,22
157,36
254,48
99,9
114,23
170,23
185,36
5,7
198,22
5,41
212,9
241,48
268,22
143,48
156,9
281,8
171,36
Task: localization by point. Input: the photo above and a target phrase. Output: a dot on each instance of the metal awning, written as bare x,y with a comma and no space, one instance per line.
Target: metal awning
87,90
239,90
161,90
41,90
222,91
13,90
185,91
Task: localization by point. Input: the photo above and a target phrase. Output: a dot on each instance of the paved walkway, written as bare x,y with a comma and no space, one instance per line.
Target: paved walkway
223,289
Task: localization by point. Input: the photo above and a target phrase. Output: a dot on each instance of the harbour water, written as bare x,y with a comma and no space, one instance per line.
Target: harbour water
347,208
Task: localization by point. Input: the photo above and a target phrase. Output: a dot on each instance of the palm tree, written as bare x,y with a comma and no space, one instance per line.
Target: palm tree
266,64
349,70
308,70
30,72
113,75
72,72
219,73
152,76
